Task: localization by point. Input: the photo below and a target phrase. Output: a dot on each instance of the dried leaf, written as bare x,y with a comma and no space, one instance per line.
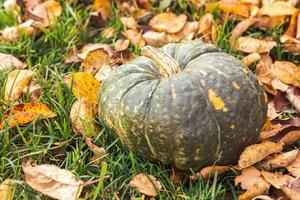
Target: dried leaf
278,8
155,39
84,86
146,184
205,23
17,80
33,90
298,26
99,152
280,160
291,194
187,33
103,72
262,197
14,33
257,152
251,58
272,113
264,69
252,45
277,179
24,113
291,137
90,47
6,190
209,172
82,117
12,6
8,61
266,22
287,72
234,7
248,178
129,22
177,175
53,181
108,32
103,7
294,168
168,22
135,38
269,131
240,28
259,188
122,44
94,60
291,30
293,98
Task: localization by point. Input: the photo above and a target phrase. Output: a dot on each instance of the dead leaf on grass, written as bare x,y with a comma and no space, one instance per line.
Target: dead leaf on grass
155,39
257,152
99,152
52,181
240,28
278,8
108,32
8,61
234,7
146,184
135,38
205,24
187,33
251,58
287,72
21,114
248,178
93,46
14,33
17,80
276,179
168,22
129,22
252,45
34,90
6,190
122,44
94,60
103,7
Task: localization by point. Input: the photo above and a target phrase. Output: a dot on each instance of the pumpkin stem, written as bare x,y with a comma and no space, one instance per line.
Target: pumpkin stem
166,64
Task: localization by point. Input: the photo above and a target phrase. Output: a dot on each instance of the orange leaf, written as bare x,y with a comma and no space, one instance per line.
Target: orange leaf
17,80
291,137
205,23
278,8
252,45
103,7
135,37
251,58
277,179
210,171
248,178
121,44
24,113
84,86
234,7
94,60
240,28
187,33
287,72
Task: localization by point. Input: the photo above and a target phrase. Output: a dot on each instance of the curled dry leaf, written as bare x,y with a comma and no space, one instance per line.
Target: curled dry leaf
146,184
287,72
269,130
129,22
298,26
82,118
280,160
17,80
278,8
248,178
240,28
272,113
257,152
291,137
168,22
265,71
6,190
103,7
84,86
187,33
94,60
52,181
8,61
252,45
205,24
135,37
21,114
155,39
90,47
277,179
14,33
251,58
122,44
210,171
294,168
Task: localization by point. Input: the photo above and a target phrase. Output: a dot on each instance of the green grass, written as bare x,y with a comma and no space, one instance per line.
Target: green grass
45,54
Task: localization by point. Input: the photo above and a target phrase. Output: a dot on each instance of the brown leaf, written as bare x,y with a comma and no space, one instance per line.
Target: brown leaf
252,45
122,44
295,184
267,22
298,26
84,86
14,33
108,32
17,80
82,117
257,152
240,28
52,181
24,113
291,137
269,130
251,58
291,30
278,8
294,98
33,90
168,22
272,113
6,190
90,47
248,178
155,39
103,7
277,179
103,72
99,152
210,171
264,69
146,184
94,60
187,33
287,72
205,24
135,38
8,61
262,197
129,22
280,160
294,168
291,194
177,175
258,188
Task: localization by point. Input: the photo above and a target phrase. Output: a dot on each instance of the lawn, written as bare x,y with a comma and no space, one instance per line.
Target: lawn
54,141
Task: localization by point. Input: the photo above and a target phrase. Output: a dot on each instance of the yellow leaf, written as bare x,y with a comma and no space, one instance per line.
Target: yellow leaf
94,60
6,190
287,72
17,80
146,184
103,7
84,86
24,113
53,181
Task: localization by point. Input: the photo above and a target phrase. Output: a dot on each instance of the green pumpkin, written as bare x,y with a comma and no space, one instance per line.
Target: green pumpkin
189,105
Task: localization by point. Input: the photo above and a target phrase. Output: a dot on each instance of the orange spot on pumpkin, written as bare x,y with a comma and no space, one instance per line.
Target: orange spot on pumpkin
232,126
216,101
245,70
235,85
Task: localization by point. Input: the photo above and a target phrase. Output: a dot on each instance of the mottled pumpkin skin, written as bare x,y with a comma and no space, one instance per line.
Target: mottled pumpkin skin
206,114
